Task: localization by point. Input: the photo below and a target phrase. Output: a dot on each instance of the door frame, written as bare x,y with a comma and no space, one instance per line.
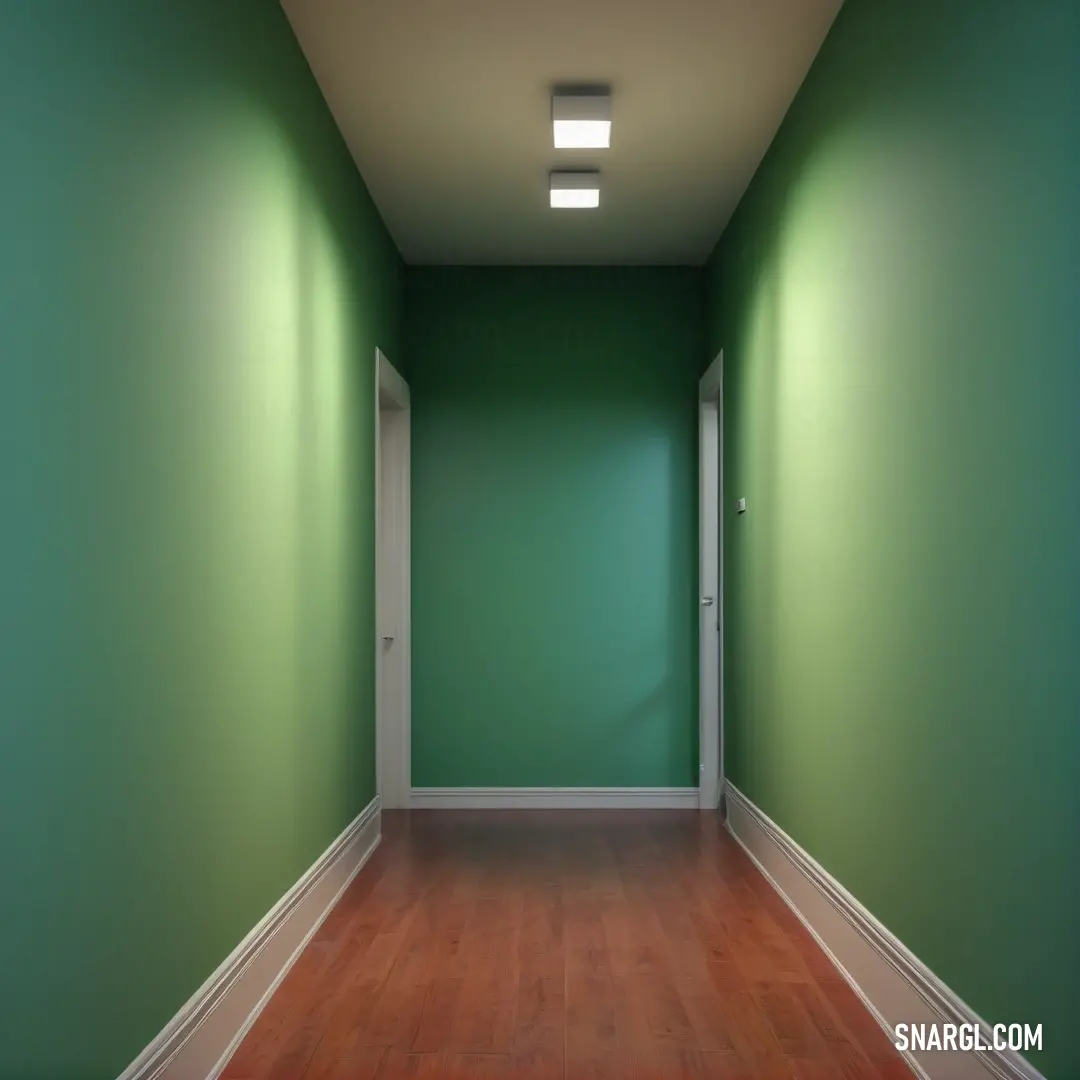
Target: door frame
711,584
393,602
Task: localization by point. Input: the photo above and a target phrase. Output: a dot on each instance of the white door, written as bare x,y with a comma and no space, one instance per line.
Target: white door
392,602
710,429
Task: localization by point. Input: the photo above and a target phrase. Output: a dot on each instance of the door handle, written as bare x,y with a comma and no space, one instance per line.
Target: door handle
707,601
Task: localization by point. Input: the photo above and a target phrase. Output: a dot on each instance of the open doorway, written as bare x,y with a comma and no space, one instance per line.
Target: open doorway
393,659
711,576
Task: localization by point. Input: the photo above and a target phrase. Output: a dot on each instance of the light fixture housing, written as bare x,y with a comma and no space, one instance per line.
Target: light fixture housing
575,190
581,119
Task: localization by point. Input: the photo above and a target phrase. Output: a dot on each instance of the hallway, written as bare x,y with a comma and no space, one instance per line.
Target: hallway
444,446
563,944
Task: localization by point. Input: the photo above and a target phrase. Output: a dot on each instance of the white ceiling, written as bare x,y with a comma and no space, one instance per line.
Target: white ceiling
445,105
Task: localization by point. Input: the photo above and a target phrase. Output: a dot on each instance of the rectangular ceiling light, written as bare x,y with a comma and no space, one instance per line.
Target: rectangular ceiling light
575,190
581,121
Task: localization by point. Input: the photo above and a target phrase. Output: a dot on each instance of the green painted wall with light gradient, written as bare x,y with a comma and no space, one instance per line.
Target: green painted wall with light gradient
554,525
192,285
897,302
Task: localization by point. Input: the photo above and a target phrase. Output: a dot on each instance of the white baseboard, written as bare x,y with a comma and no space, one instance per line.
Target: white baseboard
893,983
198,1042
554,798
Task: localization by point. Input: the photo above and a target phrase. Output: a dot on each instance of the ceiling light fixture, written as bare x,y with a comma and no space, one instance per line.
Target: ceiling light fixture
581,120
575,190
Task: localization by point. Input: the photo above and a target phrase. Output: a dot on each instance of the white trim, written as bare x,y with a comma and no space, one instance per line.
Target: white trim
713,379
893,983
711,583
393,631
388,380
554,798
199,1040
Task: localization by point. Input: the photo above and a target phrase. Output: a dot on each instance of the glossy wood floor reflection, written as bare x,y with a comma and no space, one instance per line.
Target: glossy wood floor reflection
564,944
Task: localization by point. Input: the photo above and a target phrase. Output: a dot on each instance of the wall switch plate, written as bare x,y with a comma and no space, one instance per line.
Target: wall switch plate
740,506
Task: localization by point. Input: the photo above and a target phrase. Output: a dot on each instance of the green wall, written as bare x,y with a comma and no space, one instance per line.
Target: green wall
554,525
896,299
192,285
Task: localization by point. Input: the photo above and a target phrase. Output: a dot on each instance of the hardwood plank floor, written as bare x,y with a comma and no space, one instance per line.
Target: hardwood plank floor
536,945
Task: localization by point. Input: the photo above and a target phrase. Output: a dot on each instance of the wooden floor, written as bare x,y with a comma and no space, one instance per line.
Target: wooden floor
560,944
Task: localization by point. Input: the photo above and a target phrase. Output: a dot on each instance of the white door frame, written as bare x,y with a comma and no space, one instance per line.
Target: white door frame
711,579
393,630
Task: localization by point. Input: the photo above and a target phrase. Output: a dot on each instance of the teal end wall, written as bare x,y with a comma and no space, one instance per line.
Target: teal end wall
897,302
554,525
193,282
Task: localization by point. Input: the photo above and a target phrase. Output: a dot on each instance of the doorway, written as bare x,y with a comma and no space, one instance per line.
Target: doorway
711,577
393,649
